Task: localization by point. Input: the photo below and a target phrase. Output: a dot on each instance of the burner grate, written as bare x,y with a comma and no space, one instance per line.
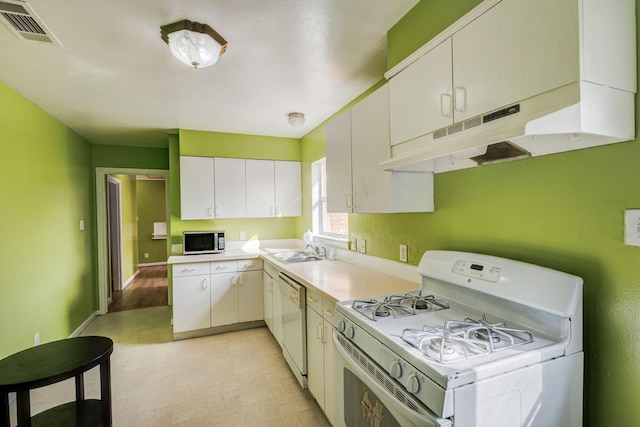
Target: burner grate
459,340
400,305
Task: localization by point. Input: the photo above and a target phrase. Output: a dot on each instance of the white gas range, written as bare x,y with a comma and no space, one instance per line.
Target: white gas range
486,342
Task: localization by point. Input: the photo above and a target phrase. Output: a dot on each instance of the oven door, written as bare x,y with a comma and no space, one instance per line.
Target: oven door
361,399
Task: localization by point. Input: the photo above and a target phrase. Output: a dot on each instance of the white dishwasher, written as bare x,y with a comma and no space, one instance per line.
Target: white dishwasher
294,326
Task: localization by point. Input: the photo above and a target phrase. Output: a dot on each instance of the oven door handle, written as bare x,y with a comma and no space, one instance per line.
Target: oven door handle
426,420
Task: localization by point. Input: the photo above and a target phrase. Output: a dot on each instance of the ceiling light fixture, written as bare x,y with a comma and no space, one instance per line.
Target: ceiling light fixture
296,119
196,45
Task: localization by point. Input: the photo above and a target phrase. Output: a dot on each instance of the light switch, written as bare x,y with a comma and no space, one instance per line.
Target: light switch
82,225
632,227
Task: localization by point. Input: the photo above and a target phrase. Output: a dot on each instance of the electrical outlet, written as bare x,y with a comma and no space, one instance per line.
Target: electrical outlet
146,255
632,227
82,225
403,253
36,338
243,235
362,245
354,244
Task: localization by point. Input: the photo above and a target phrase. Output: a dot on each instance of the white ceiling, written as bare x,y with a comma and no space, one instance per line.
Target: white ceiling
114,81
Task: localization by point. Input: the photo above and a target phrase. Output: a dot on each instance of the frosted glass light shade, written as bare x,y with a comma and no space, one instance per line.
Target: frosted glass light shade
194,49
194,44
296,119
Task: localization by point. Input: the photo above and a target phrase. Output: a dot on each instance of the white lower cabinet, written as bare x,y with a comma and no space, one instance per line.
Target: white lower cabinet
272,304
320,351
220,293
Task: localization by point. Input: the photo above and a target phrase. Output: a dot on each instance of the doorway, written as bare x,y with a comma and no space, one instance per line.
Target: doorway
103,188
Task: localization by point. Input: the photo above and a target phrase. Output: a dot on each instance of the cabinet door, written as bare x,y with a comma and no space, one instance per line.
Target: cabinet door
370,146
224,299
338,152
196,188
250,294
230,188
260,188
267,283
288,188
191,309
277,312
328,373
315,357
420,96
515,50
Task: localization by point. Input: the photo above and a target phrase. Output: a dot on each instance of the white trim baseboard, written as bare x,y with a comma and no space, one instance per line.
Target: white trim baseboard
84,325
130,279
151,264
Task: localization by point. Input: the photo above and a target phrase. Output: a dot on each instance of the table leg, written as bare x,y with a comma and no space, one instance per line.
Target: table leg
5,421
24,408
79,387
105,392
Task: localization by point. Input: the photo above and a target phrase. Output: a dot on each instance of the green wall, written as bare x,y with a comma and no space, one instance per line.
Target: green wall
151,204
564,211
47,279
216,144
120,156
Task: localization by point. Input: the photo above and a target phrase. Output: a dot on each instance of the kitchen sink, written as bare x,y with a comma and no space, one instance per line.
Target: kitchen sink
296,256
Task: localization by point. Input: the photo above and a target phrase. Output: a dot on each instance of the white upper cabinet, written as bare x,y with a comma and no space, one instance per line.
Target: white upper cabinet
514,51
274,188
197,199
242,188
260,188
338,153
356,142
230,188
371,187
421,96
288,188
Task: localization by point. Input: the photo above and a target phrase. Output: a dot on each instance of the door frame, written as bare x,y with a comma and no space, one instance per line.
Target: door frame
102,227
119,280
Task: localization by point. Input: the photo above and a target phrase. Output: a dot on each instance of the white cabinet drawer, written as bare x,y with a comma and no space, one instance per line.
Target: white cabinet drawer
314,301
190,269
223,266
250,264
328,307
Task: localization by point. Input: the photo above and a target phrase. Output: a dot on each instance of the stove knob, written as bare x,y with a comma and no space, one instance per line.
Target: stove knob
396,369
413,384
349,332
341,325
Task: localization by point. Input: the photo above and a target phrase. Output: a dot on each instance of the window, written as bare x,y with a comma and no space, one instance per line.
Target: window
333,225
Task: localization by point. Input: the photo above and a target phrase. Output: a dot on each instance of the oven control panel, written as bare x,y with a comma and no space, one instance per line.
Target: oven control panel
477,270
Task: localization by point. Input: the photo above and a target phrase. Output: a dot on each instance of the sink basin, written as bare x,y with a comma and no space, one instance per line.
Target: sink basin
296,256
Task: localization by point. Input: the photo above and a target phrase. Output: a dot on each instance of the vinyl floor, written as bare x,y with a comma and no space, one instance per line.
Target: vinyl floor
232,379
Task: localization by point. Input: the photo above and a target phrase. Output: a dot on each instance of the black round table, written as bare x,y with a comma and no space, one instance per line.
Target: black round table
48,364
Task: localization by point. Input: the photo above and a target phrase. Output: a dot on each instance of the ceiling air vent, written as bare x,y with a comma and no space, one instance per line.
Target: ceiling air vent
22,21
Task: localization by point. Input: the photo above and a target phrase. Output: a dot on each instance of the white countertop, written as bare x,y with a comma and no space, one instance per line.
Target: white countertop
336,279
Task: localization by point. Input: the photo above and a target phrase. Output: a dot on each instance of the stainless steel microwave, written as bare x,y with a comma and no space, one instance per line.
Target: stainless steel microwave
202,242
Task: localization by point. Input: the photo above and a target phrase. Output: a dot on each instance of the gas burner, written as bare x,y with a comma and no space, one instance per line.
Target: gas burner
444,346
458,340
420,302
497,335
382,311
389,307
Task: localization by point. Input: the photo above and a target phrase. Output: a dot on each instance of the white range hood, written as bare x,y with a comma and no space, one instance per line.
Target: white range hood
575,116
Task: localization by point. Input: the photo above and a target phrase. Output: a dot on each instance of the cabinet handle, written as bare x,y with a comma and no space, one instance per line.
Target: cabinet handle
460,104
329,313
205,284
234,281
445,105
311,300
319,332
187,270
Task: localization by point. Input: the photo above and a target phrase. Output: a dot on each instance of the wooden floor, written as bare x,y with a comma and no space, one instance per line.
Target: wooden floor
148,289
